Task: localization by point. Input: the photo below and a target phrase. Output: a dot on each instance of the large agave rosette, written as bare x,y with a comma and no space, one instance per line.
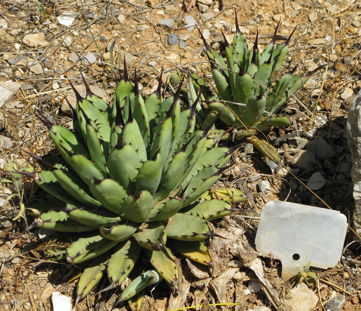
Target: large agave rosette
129,181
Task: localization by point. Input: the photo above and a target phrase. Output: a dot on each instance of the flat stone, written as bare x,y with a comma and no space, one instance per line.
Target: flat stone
320,148
317,181
335,304
166,22
91,58
301,298
61,302
73,57
67,42
3,24
35,40
7,90
313,16
205,17
318,41
5,142
264,186
206,34
121,18
182,44
66,19
348,92
190,22
37,68
333,9
202,7
356,24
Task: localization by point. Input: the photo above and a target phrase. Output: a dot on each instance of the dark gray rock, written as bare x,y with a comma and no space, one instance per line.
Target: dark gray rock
320,148
305,160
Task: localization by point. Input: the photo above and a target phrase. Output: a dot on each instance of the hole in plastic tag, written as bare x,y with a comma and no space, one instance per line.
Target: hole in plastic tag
297,234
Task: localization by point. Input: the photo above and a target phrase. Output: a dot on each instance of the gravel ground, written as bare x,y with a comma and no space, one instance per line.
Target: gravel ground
43,45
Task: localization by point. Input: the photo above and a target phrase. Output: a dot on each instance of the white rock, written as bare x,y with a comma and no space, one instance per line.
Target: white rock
36,68
35,40
17,46
190,23
67,41
301,298
66,19
90,57
312,16
121,18
7,89
73,57
348,92
60,302
333,9
206,34
5,142
264,186
318,41
3,24
3,163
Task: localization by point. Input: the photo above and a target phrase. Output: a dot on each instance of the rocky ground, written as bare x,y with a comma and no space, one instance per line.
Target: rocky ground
44,43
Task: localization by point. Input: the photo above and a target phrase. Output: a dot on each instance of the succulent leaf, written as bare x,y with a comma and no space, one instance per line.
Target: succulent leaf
123,261
187,228
195,251
90,277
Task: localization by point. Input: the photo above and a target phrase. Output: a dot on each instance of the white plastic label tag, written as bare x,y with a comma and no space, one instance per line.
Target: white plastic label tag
297,234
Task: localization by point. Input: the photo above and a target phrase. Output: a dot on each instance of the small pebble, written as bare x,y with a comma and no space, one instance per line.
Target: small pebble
336,303
190,22
254,286
167,22
206,34
67,41
264,186
55,85
172,39
182,44
248,149
348,92
90,57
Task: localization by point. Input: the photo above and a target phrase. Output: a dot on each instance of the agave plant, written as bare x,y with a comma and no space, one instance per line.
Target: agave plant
132,179
247,95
